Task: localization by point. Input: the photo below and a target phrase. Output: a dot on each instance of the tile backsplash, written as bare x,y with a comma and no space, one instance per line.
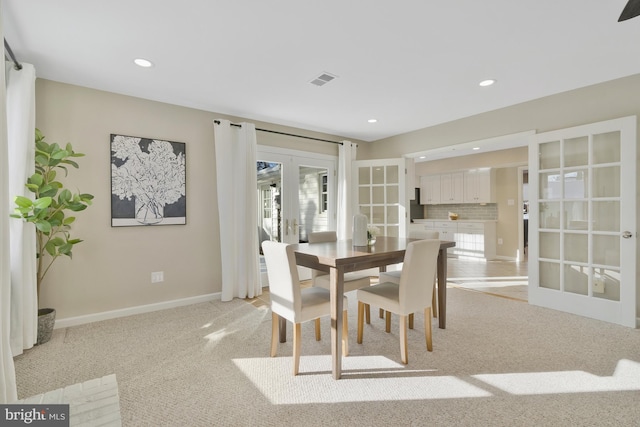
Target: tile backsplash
464,211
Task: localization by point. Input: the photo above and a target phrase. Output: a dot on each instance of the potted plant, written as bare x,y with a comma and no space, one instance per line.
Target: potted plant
49,213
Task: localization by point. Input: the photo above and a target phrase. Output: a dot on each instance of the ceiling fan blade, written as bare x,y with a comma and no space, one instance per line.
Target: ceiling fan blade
631,10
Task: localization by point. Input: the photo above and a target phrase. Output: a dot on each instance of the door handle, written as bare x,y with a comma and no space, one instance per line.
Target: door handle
286,227
627,234
295,226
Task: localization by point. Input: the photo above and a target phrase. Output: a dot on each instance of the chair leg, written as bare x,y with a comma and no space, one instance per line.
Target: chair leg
367,312
434,301
360,321
388,322
318,337
411,321
403,340
427,328
381,313
297,338
345,333
275,320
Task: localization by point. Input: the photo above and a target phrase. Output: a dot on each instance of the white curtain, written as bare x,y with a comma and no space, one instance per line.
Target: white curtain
346,156
20,129
8,390
238,209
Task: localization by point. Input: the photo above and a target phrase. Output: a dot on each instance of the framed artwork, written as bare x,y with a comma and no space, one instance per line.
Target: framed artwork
148,182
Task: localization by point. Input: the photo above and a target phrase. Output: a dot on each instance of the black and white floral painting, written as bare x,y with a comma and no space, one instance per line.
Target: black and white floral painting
148,182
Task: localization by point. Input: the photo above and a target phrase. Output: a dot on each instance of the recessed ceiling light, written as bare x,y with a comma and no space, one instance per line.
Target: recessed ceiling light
143,62
487,82
372,120
422,157
476,148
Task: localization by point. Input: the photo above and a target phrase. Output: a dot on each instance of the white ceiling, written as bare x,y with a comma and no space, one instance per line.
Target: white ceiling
410,64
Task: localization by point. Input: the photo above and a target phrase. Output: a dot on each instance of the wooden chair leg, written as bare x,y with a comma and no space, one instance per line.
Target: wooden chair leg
434,301
427,328
360,321
403,340
345,333
275,319
318,336
367,312
297,339
388,322
381,313
411,321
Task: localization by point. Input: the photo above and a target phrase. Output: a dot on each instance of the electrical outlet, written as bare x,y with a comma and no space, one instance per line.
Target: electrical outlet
157,276
500,241
598,285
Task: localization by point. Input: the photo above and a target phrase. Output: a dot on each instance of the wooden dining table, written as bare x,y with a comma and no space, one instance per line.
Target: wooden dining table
338,258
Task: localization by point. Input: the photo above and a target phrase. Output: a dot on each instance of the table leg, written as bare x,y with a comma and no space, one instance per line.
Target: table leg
336,288
282,328
442,288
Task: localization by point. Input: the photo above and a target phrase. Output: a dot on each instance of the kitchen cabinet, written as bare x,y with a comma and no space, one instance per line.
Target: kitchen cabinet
479,186
430,189
473,238
451,187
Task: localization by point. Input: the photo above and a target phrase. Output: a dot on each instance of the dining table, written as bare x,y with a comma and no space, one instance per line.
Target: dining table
340,257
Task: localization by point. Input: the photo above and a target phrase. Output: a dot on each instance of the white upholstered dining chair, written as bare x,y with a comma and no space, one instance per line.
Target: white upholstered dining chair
394,276
409,295
352,281
295,304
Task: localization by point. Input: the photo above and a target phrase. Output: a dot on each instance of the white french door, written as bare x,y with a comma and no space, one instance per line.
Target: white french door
296,195
582,220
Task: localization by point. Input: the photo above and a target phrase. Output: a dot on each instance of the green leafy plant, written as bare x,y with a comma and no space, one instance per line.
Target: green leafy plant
52,204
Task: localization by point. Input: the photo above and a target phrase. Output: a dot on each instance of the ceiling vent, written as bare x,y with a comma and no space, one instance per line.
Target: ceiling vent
323,79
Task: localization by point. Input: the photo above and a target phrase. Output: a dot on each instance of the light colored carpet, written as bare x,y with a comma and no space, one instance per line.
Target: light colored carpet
516,288
500,362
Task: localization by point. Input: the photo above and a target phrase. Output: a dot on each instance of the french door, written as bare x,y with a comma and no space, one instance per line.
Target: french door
296,195
582,218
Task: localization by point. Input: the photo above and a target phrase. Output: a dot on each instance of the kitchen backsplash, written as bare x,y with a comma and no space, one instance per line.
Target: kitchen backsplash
464,211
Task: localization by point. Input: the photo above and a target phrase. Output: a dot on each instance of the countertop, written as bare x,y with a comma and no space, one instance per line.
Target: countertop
422,221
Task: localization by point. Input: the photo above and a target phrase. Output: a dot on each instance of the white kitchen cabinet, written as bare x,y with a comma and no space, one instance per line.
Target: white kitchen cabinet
479,186
451,187
476,239
430,189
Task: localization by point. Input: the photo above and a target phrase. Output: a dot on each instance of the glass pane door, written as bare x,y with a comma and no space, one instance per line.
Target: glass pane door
584,256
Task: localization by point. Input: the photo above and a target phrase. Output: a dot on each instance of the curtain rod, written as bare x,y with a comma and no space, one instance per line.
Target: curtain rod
16,64
284,133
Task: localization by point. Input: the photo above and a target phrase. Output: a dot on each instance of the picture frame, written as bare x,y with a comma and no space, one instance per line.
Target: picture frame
148,182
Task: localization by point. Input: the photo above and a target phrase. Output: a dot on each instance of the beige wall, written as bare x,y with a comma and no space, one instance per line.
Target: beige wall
508,215
112,268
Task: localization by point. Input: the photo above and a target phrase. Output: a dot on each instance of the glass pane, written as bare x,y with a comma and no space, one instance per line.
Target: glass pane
550,215
576,279
606,182
269,180
606,284
378,195
312,210
575,185
392,194
550,185
393,231
392,174
606,148
550,245
364,195
576,151
606,250
364,175
393,216
366,211
576,215
378,215
378,175
606,216
550,155
549,275
576,247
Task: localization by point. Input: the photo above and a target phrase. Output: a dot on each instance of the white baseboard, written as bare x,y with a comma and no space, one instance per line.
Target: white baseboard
504,258
129,311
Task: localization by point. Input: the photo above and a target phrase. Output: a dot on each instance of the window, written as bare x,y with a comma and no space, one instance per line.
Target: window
323,192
